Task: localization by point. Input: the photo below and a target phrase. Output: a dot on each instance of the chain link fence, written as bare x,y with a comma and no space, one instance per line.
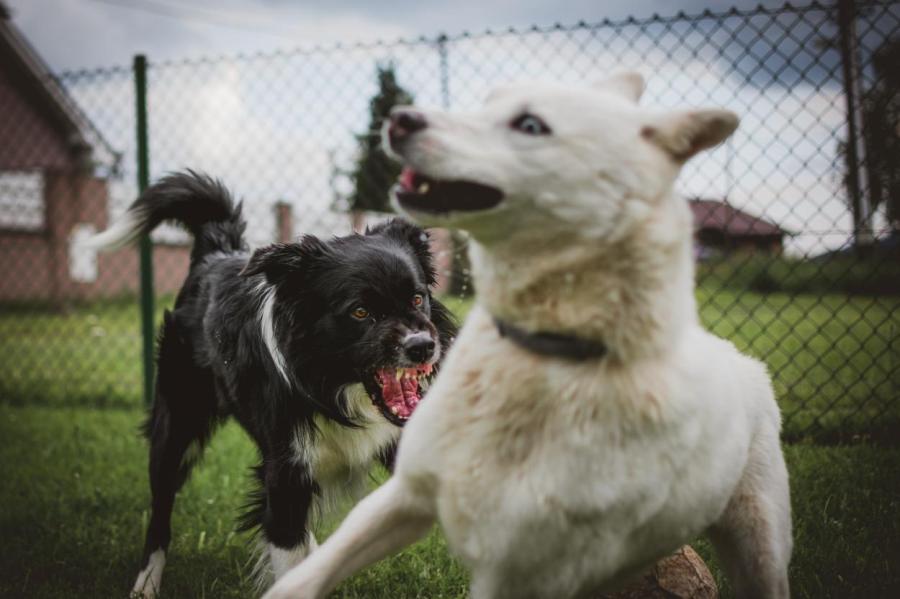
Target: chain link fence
796,216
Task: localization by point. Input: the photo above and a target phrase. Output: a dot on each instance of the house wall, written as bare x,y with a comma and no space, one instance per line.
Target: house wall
29,140
24,274
36,266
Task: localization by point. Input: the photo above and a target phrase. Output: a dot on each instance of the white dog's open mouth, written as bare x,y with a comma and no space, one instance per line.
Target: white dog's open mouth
419,193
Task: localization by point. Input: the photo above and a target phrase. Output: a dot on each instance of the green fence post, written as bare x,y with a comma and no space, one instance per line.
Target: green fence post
146,247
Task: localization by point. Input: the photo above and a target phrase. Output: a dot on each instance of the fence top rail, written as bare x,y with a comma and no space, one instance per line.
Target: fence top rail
438,38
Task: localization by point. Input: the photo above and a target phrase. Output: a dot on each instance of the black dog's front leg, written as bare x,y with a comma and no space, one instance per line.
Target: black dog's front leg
285,502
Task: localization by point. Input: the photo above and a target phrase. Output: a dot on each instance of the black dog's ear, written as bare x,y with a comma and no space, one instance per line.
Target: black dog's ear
416,237
279,260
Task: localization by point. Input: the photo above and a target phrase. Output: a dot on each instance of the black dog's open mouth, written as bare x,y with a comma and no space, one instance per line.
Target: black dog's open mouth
415,191
397,391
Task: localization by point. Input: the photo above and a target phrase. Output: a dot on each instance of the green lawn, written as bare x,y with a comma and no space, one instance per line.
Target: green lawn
834,358
74,504
74,495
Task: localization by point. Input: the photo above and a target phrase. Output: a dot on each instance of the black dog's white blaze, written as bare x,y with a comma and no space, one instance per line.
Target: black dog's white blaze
272,341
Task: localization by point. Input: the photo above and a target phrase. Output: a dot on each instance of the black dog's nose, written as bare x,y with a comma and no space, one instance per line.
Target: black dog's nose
404,122
419,348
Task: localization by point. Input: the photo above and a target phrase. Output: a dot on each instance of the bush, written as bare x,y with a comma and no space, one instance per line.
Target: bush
837,273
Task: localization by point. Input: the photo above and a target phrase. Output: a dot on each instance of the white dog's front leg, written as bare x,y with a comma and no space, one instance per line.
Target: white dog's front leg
389,519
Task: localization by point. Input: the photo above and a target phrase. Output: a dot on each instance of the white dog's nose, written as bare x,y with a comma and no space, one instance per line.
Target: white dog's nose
403,123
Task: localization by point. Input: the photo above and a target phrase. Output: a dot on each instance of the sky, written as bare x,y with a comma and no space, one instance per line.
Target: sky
284,126
77,34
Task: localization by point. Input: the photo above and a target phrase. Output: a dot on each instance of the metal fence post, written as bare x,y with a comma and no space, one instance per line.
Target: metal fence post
146,247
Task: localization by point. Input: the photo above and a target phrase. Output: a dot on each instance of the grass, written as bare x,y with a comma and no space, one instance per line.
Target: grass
74,495
834,358
88,355
836,273
75,498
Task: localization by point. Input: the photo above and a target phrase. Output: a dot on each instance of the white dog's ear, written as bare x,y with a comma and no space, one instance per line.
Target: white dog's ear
683,134
629,84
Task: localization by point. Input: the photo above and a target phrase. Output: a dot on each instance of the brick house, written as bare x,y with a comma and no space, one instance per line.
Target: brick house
720,228
55,170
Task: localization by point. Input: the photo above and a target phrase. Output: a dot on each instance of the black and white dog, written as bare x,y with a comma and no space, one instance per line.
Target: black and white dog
320,349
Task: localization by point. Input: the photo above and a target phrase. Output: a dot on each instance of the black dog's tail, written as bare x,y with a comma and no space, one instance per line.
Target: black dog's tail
198,202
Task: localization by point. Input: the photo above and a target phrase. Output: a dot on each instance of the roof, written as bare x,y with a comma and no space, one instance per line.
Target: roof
81,134
720,216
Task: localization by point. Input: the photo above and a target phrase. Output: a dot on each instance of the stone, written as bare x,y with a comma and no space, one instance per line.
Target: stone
682,575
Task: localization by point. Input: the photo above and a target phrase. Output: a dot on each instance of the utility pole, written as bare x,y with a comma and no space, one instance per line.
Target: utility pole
858,185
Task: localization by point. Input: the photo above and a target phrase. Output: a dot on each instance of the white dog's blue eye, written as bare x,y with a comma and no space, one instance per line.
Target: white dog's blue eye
530,125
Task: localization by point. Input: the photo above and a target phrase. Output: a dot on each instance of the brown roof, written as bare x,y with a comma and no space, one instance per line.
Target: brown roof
24,69
715,214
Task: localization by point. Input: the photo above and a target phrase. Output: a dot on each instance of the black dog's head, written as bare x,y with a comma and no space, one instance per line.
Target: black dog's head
359,309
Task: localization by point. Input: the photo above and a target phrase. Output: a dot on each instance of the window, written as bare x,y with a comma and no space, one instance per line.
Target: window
22,200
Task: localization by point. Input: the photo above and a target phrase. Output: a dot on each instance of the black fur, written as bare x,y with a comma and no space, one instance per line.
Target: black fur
214,363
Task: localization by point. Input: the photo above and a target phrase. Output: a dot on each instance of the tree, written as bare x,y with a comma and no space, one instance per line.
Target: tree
881,132
375,173
875,175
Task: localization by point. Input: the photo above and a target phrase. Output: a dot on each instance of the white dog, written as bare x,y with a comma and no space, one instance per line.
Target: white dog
584,423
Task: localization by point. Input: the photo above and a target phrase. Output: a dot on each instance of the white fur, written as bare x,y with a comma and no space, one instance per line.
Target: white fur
267,327
274,561
147,584
338,447
340,457
121,233
553,478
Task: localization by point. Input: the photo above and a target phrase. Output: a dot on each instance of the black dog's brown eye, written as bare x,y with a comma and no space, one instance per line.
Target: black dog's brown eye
418,300
530,124
360,313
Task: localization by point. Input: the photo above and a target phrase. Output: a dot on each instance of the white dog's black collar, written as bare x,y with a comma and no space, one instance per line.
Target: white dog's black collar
552,344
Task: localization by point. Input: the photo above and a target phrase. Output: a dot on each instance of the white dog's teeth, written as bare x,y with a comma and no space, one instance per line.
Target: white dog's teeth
423,188
395,409
399,374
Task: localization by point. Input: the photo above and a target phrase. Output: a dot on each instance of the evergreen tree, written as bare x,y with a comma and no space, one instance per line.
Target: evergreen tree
881,110
880,106
375,173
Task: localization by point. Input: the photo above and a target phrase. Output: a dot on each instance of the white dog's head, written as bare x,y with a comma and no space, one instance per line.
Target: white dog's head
584,160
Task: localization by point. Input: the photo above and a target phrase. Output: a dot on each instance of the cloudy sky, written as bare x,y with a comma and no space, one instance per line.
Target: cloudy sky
75,34
281,126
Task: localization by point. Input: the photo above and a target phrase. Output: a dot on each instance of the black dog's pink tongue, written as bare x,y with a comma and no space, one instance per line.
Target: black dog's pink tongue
401,394
392,393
